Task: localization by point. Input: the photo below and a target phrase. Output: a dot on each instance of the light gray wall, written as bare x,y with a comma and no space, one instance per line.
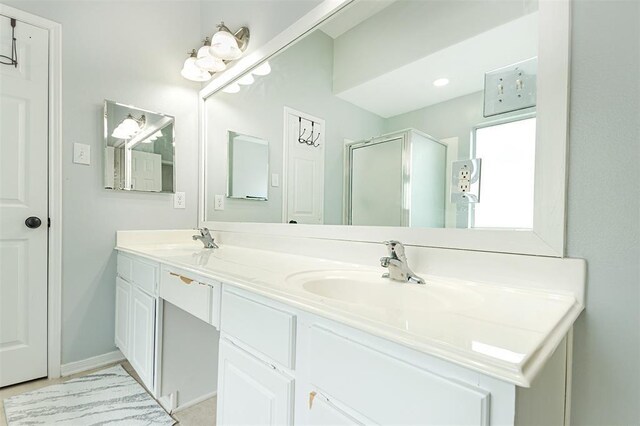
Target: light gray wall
301,78
603,209
132,53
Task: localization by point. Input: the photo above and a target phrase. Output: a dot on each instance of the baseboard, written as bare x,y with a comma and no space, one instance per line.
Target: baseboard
195,401
91,363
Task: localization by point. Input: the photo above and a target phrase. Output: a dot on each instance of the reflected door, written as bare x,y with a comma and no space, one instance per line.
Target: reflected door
377,184
23,194
305,171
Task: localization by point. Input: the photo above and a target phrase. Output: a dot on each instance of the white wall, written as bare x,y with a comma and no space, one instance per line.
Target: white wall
132,53
604,211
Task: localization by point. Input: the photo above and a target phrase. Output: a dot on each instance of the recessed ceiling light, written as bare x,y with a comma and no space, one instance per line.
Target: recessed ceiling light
441,82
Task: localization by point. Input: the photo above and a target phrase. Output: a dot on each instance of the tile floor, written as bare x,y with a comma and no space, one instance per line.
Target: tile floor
202,414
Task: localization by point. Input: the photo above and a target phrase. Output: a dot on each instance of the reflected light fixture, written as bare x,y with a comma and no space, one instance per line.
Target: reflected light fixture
262,69
129,127
232,88
191,71
228,46
246,80
441,82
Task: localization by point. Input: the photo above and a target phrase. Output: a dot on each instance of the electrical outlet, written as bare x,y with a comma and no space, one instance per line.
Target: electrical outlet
465,181
179,200
218,202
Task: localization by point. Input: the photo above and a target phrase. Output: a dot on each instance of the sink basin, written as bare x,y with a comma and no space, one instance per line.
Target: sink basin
369,289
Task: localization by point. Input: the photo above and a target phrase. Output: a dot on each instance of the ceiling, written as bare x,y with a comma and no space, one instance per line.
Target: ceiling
410,87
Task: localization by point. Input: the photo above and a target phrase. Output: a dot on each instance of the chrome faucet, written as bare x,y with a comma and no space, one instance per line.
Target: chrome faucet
397,264
206,238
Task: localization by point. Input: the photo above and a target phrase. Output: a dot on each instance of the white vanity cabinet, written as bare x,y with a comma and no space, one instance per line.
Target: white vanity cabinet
136,314
256,361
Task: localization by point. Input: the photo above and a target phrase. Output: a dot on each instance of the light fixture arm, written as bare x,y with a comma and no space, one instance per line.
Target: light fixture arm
241,36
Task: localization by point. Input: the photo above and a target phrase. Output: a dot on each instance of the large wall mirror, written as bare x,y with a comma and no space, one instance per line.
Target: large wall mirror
138,149
424,115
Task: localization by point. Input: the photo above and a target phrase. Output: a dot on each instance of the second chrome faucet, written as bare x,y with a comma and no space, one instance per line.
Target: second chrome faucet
396,263
206,238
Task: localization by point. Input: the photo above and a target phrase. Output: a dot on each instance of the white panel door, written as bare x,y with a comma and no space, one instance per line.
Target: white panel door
305,170
142,321
251,392
23,194
146,171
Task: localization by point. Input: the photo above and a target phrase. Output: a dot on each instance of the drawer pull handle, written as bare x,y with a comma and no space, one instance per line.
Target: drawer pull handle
312,395
182,278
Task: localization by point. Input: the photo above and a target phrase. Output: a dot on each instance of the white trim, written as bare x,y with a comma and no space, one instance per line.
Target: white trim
54,333
91,363
195,401
547,236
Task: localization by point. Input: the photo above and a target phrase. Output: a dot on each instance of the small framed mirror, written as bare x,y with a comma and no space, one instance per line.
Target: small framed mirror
138,149
248,167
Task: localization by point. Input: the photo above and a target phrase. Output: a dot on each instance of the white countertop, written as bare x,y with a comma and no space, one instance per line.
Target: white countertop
501,331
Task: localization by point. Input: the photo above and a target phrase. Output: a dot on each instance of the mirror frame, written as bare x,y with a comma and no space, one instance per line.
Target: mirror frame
547,238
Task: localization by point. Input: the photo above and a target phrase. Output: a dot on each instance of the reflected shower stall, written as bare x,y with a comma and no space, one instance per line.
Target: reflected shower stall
396,179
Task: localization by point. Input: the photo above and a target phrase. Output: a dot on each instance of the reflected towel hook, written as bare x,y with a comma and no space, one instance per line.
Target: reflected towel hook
310,140
13,60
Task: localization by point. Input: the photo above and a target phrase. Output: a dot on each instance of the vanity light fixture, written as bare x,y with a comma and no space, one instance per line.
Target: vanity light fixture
441,82
208,62
215,53
129,127
191,71
228,46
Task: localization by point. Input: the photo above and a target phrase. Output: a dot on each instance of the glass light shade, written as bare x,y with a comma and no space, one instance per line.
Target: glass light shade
225,46
191,72
120,133
207,62
232,88
263,69
130,126
246,80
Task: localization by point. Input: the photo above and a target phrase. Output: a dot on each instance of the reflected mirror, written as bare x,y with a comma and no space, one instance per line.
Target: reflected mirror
391,113
248,173
139,149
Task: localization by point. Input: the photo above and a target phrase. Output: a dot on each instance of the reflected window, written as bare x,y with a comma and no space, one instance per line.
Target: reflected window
507,151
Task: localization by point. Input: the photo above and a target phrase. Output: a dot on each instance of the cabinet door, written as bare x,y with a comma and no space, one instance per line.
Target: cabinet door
142,335
123,303
250,391
323,412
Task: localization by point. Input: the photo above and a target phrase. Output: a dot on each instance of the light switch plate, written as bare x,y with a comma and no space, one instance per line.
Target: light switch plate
218,202
510,88
81,153
179,200
275,180
465,181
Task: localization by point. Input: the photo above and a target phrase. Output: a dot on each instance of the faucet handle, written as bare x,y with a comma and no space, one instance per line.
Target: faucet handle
396,249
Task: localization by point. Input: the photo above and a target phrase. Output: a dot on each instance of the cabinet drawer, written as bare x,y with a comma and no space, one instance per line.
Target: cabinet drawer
264,328
124,266
186,293
388,390
145,275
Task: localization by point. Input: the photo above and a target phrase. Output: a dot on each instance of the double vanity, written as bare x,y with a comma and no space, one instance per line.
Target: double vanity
284,338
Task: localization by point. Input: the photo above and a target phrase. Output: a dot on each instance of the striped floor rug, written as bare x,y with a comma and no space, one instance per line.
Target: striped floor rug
109,396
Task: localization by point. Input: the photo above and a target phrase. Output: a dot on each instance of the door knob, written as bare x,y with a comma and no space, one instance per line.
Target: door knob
33,222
